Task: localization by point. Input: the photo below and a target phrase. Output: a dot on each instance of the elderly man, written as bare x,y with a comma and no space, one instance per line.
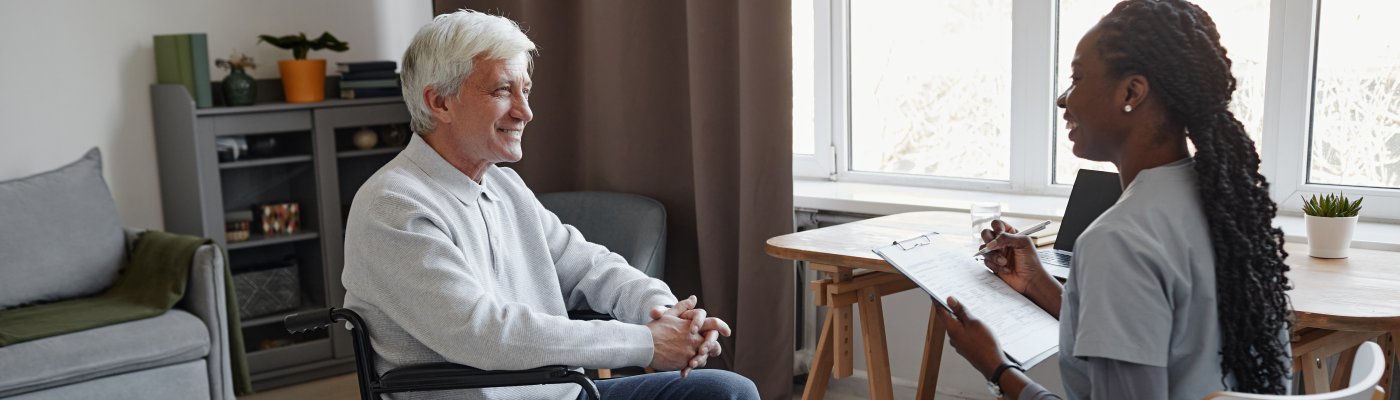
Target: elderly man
451,258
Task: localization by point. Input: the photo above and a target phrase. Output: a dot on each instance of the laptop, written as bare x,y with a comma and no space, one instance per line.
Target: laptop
1093,193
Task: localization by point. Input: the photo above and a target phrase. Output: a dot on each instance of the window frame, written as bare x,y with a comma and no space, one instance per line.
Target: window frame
1031,116
822,162
1290,86
1287,114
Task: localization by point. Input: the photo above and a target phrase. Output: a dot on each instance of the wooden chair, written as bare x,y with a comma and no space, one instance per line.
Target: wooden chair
1366,373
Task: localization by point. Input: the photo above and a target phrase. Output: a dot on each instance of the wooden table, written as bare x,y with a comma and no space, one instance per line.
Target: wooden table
856,275
1351,299
1358,297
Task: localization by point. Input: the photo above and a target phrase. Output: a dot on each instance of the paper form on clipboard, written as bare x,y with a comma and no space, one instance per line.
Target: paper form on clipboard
942,268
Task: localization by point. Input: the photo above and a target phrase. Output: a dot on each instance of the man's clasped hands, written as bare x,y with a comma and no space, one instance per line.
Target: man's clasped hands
684,337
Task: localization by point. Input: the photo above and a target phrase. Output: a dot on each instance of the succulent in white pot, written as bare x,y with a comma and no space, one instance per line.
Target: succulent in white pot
1330,220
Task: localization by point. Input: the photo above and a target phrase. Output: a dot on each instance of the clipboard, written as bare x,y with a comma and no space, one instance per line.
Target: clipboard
908,245
942,268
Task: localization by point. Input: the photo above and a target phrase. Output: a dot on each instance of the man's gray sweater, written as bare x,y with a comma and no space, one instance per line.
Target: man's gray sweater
445,269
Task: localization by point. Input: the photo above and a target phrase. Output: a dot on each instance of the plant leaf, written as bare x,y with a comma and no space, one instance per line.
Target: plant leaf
284,42
1332,205
329,42
300,45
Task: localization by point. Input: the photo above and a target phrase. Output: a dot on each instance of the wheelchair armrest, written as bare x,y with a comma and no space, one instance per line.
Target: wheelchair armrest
442,375
589,315
307,321
430,376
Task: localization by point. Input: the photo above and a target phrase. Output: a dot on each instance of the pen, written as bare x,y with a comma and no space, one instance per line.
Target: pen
1033,229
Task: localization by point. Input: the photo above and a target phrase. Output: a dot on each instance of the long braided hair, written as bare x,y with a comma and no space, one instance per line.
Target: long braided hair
1175,45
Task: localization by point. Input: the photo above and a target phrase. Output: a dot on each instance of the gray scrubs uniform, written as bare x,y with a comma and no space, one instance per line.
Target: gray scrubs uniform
1140,299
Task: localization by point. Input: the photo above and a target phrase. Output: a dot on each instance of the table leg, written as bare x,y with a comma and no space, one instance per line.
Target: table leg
843,346
1311,347
877,357
1391,343
933,356
1341,375
1314,374
820,372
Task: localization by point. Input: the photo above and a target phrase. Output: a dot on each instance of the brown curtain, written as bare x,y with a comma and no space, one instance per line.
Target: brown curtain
688,102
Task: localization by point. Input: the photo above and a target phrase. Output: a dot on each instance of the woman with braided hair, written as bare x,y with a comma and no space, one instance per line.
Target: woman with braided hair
1178,290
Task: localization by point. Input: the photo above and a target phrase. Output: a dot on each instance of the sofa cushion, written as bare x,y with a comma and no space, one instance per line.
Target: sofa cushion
170,338
60,234
189,380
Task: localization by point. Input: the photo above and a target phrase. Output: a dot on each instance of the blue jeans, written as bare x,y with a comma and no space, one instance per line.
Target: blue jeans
701,384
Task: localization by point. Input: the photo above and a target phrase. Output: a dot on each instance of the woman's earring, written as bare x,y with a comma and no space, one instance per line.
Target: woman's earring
1128,108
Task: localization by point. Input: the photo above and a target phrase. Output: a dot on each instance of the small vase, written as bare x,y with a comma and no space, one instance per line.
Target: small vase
239,88
1329,237
395,136
365,139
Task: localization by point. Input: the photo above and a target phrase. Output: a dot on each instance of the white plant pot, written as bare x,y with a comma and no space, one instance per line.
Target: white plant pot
1329,237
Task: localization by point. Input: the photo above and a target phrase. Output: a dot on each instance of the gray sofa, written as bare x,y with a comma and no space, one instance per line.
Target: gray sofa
61,238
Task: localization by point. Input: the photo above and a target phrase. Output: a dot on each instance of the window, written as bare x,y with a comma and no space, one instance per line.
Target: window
803,66
960,94
930,87
1356,99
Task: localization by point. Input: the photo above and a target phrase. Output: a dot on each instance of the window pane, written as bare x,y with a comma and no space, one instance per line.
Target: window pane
1244,31
931,87
1356,103
803,61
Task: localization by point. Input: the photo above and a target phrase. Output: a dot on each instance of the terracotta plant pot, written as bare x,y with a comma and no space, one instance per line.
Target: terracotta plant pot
303,81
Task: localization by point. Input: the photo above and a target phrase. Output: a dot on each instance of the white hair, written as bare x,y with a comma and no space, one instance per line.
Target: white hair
444,52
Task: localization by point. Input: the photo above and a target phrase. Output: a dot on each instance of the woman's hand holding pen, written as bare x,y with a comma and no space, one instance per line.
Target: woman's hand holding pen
1013,258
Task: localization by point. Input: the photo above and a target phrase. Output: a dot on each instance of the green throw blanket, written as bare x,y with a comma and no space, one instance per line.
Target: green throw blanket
150,283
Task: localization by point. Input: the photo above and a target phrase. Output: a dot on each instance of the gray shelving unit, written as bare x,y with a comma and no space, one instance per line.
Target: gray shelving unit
310,160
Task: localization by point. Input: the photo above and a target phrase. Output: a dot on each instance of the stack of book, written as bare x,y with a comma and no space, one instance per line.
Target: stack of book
364,79
184,59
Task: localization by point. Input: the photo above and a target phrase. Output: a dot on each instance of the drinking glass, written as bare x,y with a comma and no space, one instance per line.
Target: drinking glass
982,216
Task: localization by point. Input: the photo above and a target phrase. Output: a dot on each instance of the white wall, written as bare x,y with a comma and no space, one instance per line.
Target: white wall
75,74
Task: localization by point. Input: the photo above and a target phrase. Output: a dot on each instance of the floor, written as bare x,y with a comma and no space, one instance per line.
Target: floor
336,387
344,387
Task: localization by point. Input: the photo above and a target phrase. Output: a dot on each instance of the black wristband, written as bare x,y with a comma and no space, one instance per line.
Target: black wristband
996,375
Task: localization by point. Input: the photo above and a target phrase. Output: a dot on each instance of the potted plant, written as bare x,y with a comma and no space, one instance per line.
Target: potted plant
1330,221
303,80
239,88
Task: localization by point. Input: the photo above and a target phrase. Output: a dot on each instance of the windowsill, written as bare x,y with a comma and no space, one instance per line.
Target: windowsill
878,199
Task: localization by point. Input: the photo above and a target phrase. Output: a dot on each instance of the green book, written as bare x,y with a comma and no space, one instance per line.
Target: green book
184,59
199,59
182,50
168,59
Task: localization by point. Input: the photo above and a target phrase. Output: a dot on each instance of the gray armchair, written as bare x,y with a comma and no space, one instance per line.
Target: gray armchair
62,239
630,225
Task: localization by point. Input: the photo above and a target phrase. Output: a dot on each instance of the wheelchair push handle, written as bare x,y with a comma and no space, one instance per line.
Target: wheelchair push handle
307,321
